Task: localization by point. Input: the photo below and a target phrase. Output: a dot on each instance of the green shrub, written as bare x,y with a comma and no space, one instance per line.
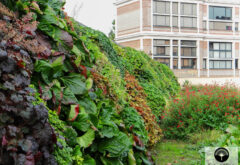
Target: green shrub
199,108
135,123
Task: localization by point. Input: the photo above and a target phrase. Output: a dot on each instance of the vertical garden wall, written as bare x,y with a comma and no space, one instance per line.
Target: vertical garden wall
69,95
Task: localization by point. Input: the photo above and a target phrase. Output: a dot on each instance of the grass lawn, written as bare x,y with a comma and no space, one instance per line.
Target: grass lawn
172,152
176,153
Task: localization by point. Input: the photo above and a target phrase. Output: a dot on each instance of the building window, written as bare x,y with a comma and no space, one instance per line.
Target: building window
188,48
165,61
189,22
220,50
188,15
161,7
217,64
159,20
175,8
188,63
220,25
175,21
161,48
204,25
175,48
161,16
236,63
175,63
236,26
220,13
188,9
204,64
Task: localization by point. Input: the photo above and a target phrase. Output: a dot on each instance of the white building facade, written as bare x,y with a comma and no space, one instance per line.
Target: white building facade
195,38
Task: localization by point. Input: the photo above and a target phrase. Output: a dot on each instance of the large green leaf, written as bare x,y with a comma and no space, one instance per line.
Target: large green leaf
42,65
115,146
50,17
89,160
87,139
109,130
45,69
75,82
89,105
110,161
69,97
82,122
57,67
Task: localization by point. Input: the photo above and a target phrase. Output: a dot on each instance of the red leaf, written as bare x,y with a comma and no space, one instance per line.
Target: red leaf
29,159
29,32
38,156
131,128
60,103
84,71
138,141
73,112
20,64
59,109
4,141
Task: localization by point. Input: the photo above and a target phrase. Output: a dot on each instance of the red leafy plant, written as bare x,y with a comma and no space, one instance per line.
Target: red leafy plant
199,108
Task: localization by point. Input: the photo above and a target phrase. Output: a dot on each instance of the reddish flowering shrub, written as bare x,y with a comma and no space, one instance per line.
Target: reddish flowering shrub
202,107
138,101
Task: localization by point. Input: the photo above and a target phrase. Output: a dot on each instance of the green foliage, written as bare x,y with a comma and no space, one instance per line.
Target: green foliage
199,108
157,79
134,123
117,146
66,154
83,81
87,139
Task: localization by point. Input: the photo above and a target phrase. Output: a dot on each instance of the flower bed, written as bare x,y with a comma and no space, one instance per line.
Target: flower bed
202,107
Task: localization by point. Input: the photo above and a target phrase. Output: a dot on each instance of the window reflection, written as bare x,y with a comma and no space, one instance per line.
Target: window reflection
220,13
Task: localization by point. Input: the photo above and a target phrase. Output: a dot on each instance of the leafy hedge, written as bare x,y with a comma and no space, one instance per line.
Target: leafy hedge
199,108
83,82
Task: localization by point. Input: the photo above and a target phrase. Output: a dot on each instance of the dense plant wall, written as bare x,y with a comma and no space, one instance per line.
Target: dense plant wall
158,80
84,85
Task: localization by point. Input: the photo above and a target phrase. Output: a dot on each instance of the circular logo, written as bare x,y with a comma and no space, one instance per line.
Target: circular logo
221,154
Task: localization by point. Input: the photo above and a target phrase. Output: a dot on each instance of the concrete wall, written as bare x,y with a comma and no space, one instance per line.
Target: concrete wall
185,73
128,19
133,44
211,81
146,5
147,46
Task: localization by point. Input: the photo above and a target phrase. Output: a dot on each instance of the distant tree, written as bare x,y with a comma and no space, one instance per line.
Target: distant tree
111,34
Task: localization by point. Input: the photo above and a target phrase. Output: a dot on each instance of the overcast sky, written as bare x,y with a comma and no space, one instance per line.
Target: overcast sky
97,14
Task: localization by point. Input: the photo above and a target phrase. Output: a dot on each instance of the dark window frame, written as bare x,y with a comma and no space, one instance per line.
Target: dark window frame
213,17
155,45
220,50
193,64
219,64
190,45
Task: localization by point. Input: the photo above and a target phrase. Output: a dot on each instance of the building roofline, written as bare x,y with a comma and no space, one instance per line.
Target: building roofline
232,2
120,2
171,35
